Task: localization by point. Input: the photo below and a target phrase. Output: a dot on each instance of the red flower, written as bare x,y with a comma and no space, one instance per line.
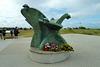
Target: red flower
43,49
46,49
50,49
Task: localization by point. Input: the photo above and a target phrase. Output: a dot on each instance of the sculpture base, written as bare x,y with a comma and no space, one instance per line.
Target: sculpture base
47,56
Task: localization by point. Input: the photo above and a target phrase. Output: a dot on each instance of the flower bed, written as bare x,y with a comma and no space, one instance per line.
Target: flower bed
51,53
55,48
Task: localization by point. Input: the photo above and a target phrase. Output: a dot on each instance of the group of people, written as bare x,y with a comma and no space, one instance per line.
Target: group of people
3,31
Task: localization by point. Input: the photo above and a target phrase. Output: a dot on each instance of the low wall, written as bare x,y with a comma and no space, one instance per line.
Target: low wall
47,56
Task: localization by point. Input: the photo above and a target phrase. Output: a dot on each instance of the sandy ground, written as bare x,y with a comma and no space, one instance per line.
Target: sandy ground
15,52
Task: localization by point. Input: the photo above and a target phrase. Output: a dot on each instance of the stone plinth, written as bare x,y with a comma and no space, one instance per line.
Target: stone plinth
47,57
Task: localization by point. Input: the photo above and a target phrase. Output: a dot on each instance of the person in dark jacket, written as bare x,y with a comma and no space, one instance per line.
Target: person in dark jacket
16,32
4,32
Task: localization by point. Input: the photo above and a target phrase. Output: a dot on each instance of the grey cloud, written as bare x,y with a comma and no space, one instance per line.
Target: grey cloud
76,8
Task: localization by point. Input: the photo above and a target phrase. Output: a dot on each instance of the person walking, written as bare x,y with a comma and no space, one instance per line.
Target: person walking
4,32
11,32
16,33
1,34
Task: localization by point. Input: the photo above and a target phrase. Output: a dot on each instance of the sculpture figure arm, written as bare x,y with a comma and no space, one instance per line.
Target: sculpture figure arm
60,20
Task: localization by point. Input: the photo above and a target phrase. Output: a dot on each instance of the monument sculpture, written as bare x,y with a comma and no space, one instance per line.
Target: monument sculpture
44,30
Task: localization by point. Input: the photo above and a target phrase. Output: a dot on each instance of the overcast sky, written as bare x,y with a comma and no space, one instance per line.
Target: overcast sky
83,12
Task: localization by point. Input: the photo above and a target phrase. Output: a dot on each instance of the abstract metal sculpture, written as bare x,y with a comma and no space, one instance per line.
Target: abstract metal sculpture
44,30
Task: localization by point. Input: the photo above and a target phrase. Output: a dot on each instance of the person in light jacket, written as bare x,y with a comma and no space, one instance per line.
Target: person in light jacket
1,34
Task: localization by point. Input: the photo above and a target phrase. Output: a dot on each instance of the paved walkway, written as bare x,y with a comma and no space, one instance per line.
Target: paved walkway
15,52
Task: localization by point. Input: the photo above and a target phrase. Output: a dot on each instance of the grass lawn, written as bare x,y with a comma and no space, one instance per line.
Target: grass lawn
29,33
23,33
81,31
26,33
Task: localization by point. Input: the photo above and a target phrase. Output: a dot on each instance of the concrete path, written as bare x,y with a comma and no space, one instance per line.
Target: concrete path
15,52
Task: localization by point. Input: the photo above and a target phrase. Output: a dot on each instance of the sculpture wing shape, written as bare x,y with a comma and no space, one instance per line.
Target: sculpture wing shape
33,14
36,19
